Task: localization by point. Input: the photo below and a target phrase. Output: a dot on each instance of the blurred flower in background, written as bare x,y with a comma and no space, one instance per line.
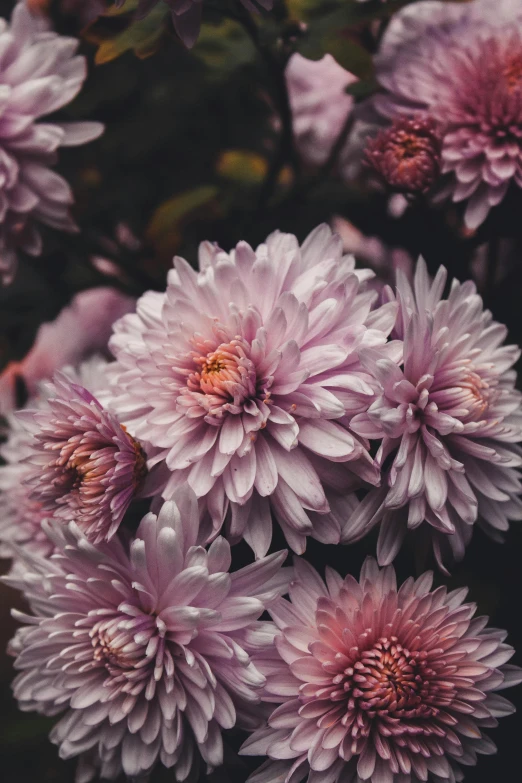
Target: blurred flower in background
406,155
460,66
320,106
82,329
39,73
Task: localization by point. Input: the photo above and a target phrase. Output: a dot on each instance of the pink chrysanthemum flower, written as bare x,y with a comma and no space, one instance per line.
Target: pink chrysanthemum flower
79,332
244,377
320,106
449,420
22,514
406,155
146,651
461,65
378,684
85,466
39,74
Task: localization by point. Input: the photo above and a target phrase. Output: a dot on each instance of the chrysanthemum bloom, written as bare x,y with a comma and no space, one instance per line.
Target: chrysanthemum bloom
78,334
379,684
461,64
39,73
22,514
245,375
85,466
449,420
406,155
320,106
186,14
147,652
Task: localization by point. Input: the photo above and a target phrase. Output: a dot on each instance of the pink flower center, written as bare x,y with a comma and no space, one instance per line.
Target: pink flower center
225,381
513,72
390,678
133,651
113,648
467,396
493,105
406,155
387,686
79,471
475,395
227,372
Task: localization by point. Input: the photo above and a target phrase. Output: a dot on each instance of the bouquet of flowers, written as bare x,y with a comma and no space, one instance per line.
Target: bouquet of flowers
260,417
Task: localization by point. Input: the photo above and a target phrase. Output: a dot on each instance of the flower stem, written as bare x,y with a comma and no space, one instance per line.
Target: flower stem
286,152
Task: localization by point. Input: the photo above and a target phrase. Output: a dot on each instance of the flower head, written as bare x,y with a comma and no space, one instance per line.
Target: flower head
406,155
243,378
147,651
320,106
22,513
39,73
85,466
449,420
462,66
79,332
376,683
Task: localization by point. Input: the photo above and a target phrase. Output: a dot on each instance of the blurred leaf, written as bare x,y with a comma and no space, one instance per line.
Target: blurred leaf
324,39
165,227
223,48
142,36
311,9
118,10
363,88
344,13
242,166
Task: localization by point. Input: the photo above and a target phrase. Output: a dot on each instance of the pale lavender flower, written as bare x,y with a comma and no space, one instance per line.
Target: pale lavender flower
461,66
39,74
320,106
244,377
449,419
85,466
79,332
379,684
22,514
146,650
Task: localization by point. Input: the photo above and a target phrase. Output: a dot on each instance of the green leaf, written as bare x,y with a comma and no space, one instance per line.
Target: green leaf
363,88
143,37
223,48
325,39
165,227
242,166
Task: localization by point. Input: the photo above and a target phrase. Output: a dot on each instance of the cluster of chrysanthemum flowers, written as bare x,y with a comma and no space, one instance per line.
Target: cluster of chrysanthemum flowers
270,387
